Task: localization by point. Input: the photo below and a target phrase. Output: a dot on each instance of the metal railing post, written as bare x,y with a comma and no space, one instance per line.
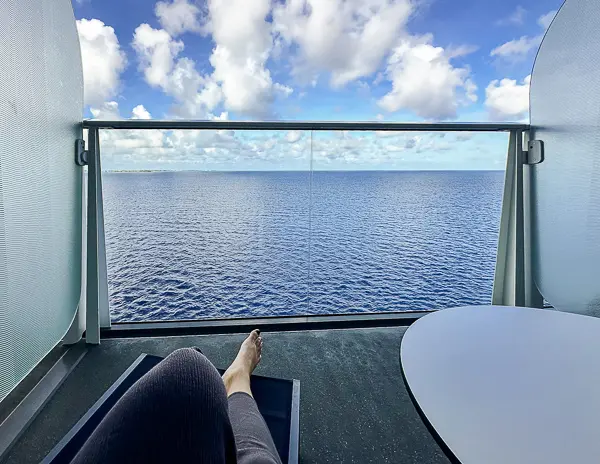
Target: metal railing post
533,297
97,314
103,308
92,321
519,298
510,275
502,278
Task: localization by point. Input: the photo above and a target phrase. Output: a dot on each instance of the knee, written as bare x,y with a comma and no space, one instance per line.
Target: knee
189,364
188,356
187,373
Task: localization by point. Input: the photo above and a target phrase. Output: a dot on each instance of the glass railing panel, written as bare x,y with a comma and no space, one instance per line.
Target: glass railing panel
404,221
219,224
204,224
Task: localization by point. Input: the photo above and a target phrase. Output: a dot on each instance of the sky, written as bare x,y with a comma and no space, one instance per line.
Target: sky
350,60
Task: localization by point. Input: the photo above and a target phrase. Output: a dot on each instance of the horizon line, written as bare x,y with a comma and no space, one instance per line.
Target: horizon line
296,170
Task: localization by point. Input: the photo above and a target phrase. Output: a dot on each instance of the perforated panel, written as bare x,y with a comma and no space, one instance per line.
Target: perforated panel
565,111
41,107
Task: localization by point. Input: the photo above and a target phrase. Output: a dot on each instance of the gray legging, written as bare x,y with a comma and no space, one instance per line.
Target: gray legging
179,412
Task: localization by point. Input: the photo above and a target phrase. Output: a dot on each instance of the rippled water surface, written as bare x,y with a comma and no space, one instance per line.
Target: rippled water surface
187,245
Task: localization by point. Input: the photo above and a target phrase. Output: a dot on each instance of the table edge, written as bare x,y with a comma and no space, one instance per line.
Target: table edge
438,439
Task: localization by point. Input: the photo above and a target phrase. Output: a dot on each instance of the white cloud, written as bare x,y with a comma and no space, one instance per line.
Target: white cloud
384,134
425,82
240,80
283,90
293,136
517,18
127,143
157,51
519,49
508,100
411,142
110,111
243,44
545,20
349,39
103,60
353,150
107,110
459,51
178,17
195,95
139,112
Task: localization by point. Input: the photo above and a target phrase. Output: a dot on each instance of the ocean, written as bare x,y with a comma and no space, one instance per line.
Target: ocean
190,244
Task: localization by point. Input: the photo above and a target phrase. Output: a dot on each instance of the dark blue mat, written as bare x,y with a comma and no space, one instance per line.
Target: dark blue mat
278,401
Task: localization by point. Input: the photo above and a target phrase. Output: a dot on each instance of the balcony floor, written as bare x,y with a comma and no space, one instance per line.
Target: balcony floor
353,407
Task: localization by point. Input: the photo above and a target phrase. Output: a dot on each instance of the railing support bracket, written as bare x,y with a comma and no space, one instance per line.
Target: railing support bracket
534,153
81,154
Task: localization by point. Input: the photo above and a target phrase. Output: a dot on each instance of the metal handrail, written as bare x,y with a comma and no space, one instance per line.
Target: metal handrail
305,125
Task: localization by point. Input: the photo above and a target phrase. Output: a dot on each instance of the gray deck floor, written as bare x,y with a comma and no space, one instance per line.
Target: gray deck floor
354,407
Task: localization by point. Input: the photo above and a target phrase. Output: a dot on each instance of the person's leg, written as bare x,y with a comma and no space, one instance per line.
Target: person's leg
177,412
252,437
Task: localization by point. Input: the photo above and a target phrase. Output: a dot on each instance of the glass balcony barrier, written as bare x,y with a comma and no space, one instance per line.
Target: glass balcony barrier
237,222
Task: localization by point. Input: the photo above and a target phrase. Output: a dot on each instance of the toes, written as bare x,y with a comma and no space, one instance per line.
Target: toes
254,334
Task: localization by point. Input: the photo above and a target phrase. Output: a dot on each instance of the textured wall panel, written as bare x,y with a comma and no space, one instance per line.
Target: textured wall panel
41,105
565,110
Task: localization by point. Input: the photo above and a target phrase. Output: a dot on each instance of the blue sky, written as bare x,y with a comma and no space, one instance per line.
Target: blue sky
391,60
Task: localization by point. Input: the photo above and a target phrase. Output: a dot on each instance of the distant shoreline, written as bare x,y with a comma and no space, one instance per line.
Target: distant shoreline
114,171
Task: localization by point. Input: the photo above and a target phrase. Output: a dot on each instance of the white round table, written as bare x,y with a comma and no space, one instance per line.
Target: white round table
507,385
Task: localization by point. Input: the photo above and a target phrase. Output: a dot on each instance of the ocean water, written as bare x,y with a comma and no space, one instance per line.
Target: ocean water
189,245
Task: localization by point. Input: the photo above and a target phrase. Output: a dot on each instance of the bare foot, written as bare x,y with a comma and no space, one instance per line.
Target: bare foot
237,376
